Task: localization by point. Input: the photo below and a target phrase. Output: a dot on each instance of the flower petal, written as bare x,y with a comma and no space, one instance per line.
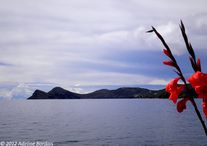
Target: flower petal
201,91
174,89
204,105
181,105
198,79
172,85
173,97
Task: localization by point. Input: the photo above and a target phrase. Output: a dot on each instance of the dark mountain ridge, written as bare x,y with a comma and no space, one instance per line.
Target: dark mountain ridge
126,92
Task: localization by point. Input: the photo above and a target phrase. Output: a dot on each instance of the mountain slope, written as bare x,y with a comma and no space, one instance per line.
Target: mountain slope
60,93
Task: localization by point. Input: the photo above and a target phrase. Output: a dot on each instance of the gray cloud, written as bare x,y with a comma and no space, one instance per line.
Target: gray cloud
93,42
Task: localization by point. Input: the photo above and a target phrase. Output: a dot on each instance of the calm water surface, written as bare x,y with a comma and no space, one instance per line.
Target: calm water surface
107,122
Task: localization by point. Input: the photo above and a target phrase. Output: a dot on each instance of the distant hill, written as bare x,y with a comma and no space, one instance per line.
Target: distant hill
60,93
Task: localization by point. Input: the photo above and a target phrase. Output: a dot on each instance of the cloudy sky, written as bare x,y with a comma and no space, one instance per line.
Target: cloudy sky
78,44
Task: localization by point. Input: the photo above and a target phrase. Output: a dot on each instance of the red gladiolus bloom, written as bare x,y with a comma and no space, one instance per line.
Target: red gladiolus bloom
201,91
199,82
181,105
174,89
170,63
204,105
198,79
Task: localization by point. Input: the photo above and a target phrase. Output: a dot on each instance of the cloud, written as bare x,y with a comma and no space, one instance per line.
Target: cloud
20,91
158,82
93,43
12,90
5,64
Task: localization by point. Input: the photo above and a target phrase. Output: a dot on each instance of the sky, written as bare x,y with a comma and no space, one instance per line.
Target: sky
91,44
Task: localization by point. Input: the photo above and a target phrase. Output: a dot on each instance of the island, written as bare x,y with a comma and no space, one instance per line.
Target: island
120,93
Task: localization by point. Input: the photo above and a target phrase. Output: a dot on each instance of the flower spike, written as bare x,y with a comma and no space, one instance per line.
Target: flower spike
198,80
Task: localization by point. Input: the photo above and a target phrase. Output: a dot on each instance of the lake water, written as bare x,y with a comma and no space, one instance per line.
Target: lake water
102,122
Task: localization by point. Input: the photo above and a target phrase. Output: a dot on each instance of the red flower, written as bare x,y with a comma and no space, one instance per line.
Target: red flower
174,89
170,63
181,105
199,81
204,105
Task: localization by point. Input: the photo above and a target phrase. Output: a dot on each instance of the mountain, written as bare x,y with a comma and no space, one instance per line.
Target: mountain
60,93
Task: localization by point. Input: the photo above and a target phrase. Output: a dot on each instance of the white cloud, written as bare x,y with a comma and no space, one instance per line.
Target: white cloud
158,82
21,91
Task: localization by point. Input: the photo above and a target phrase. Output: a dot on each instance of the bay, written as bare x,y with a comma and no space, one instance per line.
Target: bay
101,122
